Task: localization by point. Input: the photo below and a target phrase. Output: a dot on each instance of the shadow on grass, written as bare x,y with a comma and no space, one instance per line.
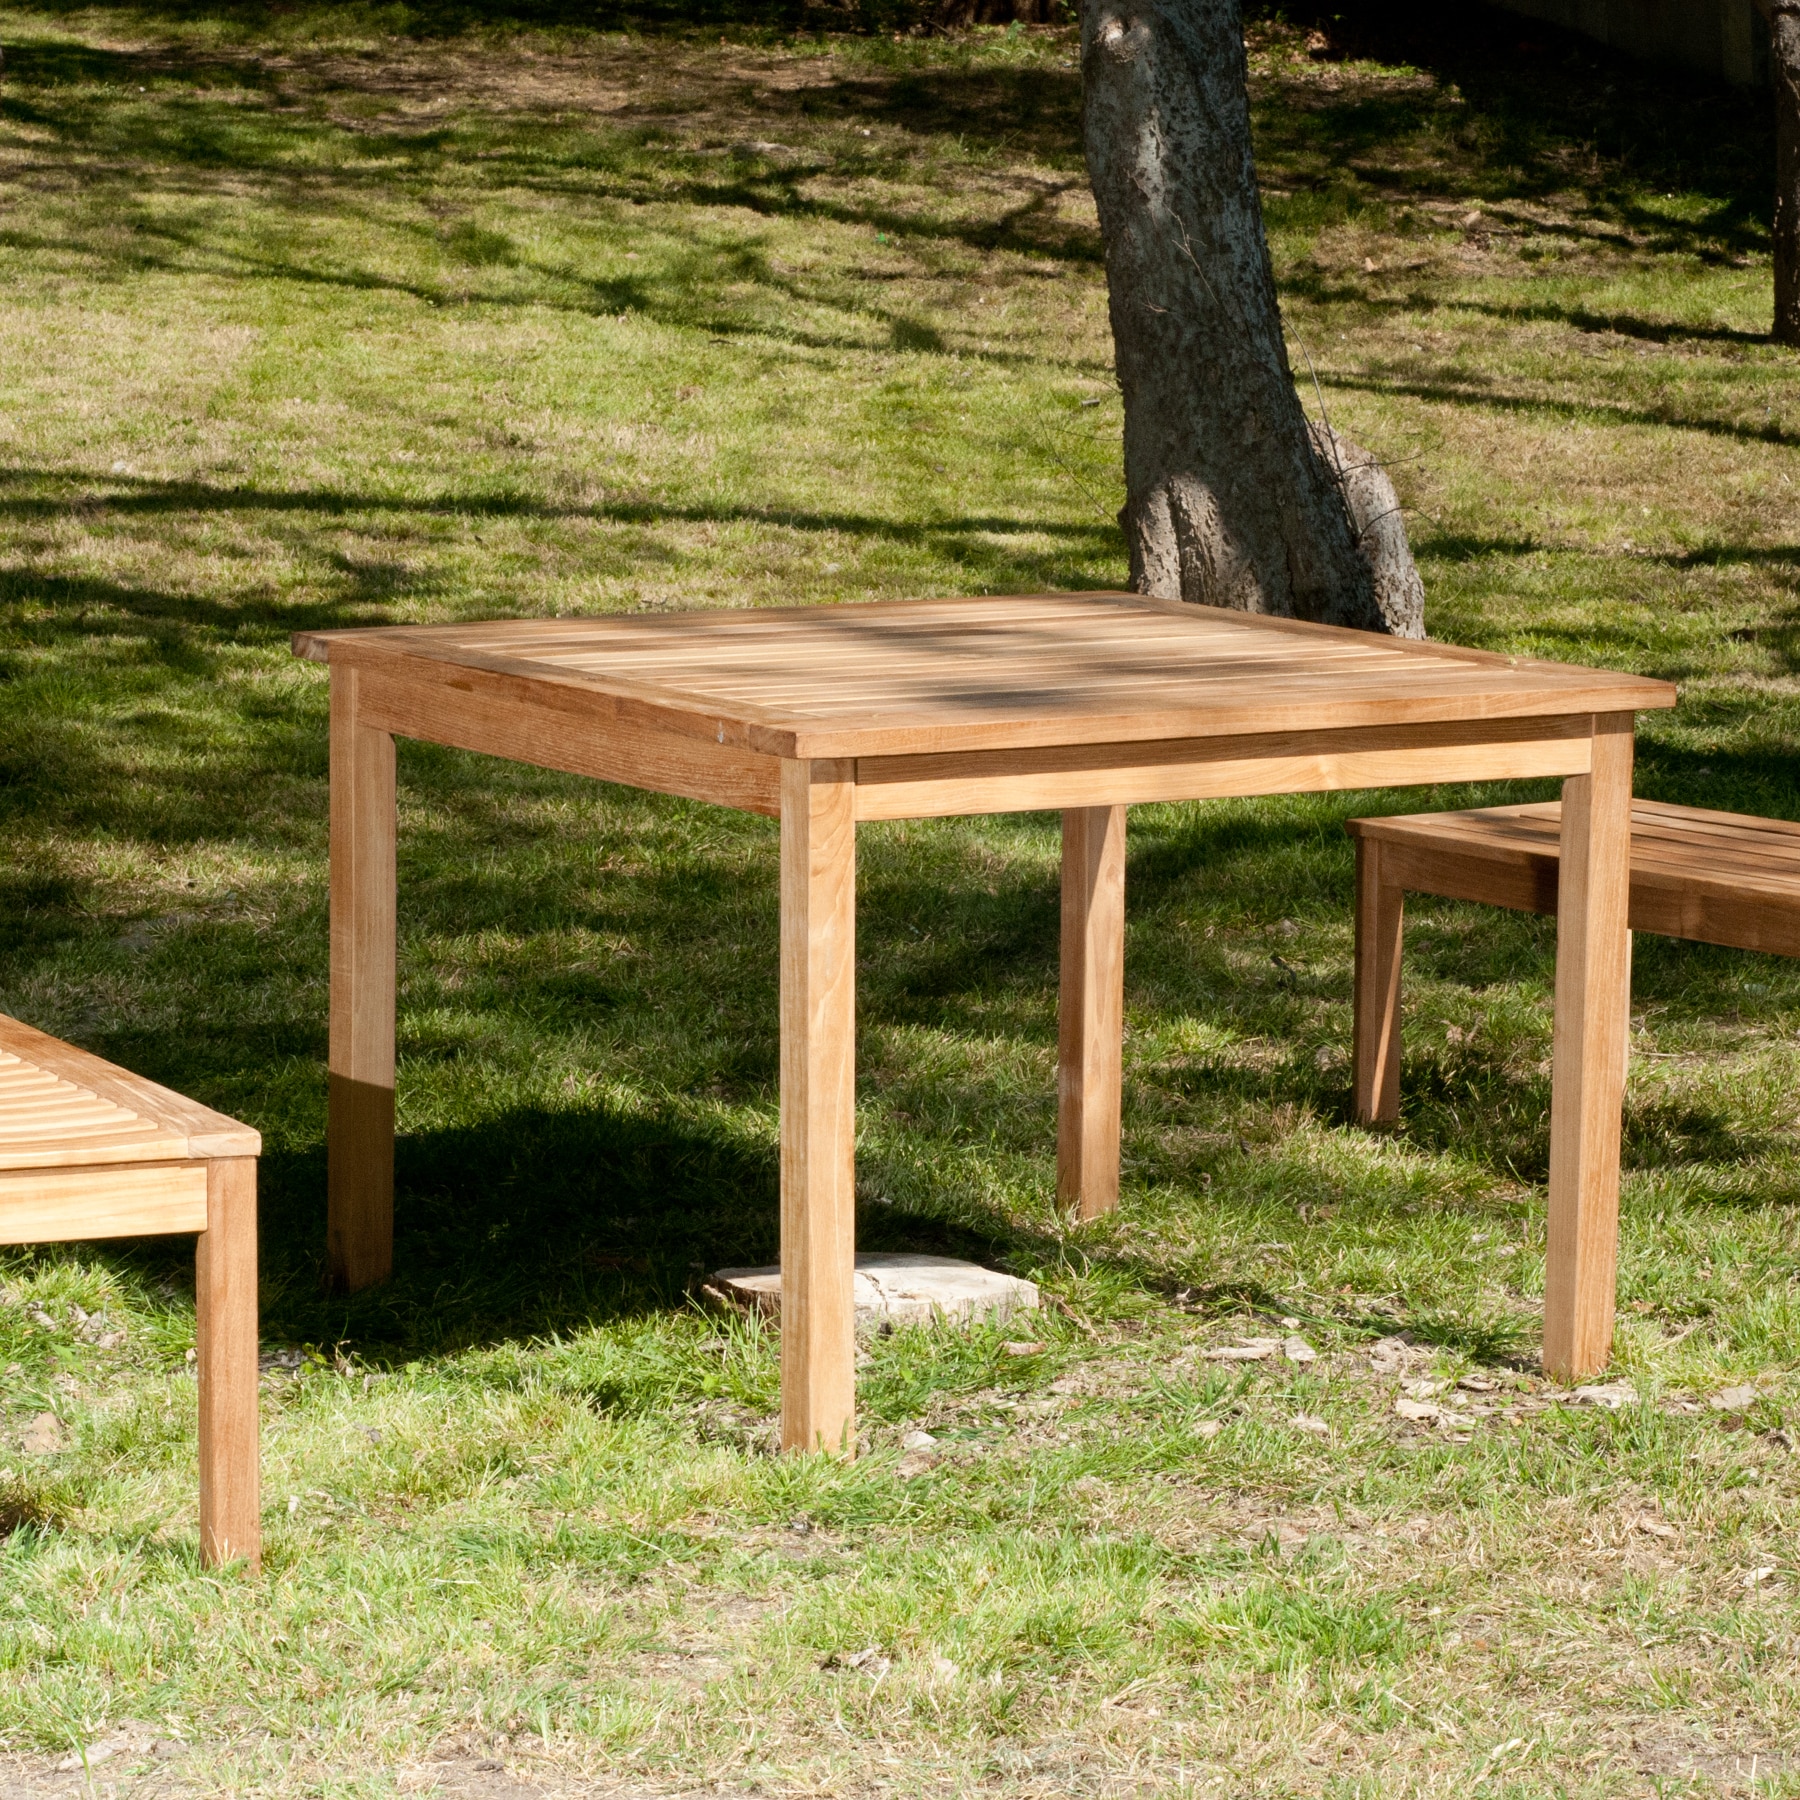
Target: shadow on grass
453,18
1535,111
527,1219
1471,394
132,496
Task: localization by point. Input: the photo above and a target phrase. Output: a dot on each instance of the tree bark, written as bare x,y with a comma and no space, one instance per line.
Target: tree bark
1784,64
1232,499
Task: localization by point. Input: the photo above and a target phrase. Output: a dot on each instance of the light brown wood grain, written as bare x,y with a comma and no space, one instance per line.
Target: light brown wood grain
1060,778
226,1346
47,1206
360,1128
475,709
167,1125
75,1136
1718,878
1588,1078
1380,923
1075,702
1091,1015
927,677
818,1107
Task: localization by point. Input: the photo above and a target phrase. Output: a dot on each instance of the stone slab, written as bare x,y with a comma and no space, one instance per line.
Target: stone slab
898,1288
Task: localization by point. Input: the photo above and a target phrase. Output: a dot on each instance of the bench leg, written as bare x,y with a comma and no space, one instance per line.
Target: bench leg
225,1349
1091,1014
1380,929
360,1131
1588,1080
818,1106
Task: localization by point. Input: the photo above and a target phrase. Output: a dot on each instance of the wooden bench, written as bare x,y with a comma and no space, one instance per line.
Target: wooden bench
89,1151
1720,878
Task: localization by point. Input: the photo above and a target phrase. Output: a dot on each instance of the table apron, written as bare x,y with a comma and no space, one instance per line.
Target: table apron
68,1205
460,712
919,787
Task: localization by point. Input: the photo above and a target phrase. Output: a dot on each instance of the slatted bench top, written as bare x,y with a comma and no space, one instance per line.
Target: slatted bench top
997,672
63,1108
1722,878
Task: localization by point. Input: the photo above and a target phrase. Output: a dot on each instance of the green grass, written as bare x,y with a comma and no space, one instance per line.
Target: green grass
309,323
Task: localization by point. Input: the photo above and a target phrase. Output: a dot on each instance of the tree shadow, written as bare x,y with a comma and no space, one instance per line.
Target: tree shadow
1482,396
525,1219
1545,112
94,609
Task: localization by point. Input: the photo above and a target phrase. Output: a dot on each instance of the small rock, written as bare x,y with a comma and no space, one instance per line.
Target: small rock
1310,1422
1424,1388
1734,1399
1208,1428
895,1288
1610,1395
1477,1383
1421,1412
41,1319
1009,1348
1298,1350
913,1464
917,1440
868,1662
110,1340
1756,1577
1246,1350
122,1740
1389,1355
44,1436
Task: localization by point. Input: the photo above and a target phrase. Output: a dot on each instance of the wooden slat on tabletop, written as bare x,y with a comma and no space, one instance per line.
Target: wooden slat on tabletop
179,1126
903,678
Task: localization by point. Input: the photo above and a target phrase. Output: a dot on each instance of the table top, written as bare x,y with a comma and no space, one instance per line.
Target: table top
995,672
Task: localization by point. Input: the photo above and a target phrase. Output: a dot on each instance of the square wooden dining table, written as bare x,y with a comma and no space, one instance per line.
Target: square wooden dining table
824,716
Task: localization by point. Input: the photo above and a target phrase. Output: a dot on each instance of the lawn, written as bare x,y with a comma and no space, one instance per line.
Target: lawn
322,317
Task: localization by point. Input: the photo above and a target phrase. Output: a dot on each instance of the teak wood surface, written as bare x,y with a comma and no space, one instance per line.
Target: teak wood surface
1717,878
88,1150
824,716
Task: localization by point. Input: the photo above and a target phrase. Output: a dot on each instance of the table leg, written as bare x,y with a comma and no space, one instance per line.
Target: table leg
1588,1080
1091,1019
360,1132
1380,925
225,1352
818,1106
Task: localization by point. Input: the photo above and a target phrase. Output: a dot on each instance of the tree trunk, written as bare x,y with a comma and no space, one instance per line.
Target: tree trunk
1784,63
1231,498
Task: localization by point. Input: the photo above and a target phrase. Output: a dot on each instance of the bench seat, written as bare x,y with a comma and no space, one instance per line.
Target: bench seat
87,1151
1718,878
